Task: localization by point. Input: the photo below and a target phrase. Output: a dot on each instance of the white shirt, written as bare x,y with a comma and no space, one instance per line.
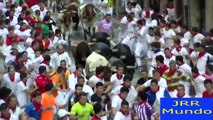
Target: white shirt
131,95
56,59
198,38
200,88
154,56
187,35
162,83
10,58
183,52
115,81
72,81
201,62
14,21
29,41
184,42
167,60
4,32
116,103
11,84
21,95
31,53
168,37
148,20
121,116
58,41
95,79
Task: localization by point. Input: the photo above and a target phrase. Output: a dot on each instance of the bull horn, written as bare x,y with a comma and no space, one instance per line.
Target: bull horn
74,45
98,51
94,39
130,67
91,43
108,38
114,50
123,56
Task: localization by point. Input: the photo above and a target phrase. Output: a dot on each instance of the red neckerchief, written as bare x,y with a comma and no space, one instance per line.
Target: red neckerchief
181,63
11,18
32,48
122,17
76,95
119,95
45,62
12,78
126,85
13,108
201,54
119,77
170,73
124,113
130,20
24,61
37,106
5,117
178,49
44,23
21,29
180,96
13,54
57,36
161,66
195,76
75,74
147,14
142,102
155,91
65,70
60,53
196,33
96,118
140,26
25,82
100,77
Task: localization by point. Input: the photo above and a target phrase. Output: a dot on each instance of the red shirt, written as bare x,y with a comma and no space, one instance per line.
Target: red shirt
206,95
41,82
162,69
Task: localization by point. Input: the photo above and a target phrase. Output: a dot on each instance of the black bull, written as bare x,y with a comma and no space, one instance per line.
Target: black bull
119,55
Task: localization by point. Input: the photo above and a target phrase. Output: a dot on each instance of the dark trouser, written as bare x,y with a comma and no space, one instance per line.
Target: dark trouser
76,21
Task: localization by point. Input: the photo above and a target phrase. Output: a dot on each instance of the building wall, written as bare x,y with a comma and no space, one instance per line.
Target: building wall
209,15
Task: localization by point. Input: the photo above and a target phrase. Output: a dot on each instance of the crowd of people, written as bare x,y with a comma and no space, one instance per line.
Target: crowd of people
37,81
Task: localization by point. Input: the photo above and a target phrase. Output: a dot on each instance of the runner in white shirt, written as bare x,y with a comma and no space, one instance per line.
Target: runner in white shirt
183,41
168,56
123,113
178,50
197,37
140,47
117,78
168,36
132,91
146,14
186,69
181,92
199,82
123,26
116,101
129,8
156,75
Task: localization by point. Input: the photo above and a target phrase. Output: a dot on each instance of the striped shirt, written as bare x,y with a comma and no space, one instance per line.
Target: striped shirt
143,111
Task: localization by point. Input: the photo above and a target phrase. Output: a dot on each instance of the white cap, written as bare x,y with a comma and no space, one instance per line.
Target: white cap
62,113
